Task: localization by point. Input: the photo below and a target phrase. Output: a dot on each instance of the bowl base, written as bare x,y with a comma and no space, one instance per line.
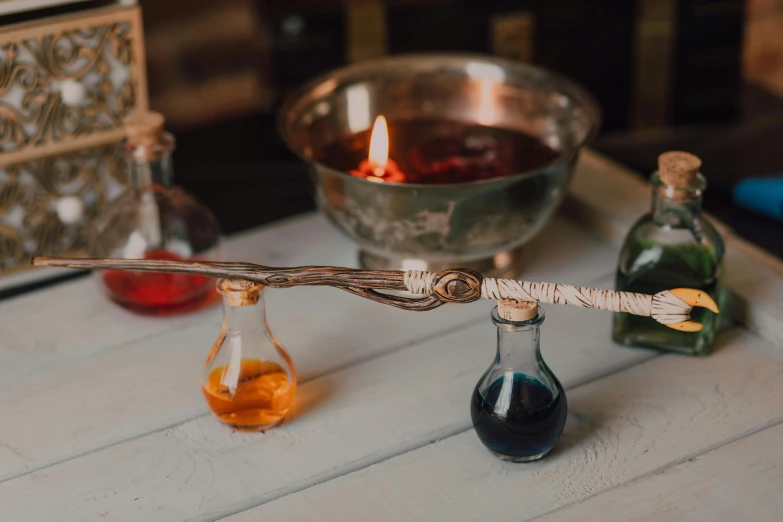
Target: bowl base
503,264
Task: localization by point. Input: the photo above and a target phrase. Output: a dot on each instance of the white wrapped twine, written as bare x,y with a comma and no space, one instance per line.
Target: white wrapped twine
667,308
664,307
584,297
418,281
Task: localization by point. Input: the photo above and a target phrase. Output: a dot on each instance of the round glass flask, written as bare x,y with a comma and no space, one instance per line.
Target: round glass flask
154,219
518,407
249,381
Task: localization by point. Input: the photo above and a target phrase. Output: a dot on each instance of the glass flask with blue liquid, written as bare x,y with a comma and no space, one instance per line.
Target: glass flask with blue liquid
518,407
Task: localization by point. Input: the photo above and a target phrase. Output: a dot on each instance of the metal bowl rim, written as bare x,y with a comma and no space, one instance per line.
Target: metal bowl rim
579,92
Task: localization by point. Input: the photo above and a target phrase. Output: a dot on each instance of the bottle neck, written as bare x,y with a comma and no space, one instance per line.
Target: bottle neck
518,344
247,318
676,207
151,165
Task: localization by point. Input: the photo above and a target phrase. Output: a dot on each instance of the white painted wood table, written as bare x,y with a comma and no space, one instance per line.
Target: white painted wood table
103,416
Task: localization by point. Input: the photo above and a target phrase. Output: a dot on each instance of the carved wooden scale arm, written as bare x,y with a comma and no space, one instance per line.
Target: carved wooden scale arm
670,307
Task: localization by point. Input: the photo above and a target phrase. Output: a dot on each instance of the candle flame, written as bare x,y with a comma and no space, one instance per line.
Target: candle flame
379,145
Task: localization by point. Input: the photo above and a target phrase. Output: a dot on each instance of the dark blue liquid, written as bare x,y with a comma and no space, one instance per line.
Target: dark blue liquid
526,424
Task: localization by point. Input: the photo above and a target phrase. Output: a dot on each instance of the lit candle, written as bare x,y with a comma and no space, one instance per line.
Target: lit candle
378,167
379,147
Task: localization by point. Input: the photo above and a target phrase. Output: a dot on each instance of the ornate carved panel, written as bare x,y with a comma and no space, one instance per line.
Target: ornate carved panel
47,206
66,82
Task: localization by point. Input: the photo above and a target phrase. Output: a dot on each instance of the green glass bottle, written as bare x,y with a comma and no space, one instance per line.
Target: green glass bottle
672,246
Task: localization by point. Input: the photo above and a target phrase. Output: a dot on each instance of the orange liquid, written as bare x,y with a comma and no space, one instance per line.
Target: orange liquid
257,400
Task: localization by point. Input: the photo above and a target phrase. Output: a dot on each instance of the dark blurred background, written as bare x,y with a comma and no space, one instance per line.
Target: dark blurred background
699,75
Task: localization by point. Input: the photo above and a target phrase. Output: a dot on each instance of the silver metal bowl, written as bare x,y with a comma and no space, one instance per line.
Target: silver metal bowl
479,224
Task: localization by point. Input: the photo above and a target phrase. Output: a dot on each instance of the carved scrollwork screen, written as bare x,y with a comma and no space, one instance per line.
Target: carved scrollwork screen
47,206
66,83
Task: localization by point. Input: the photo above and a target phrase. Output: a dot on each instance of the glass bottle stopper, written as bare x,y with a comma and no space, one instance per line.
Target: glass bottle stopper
678,169
240,292
517,311
144,132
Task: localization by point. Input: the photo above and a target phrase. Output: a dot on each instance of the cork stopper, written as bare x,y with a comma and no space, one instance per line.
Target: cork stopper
239,291
144,128
517,311
678,169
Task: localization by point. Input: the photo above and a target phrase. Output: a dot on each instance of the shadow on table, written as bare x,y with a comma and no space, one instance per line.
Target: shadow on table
580,426
309,398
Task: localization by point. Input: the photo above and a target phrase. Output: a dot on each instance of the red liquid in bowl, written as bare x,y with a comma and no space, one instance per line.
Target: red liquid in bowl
441,152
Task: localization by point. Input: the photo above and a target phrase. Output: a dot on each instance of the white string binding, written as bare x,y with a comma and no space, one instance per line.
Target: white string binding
584,297
667,308
420,282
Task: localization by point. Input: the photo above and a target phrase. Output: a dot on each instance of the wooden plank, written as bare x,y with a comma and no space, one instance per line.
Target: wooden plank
608,199
344,421
633,423
739,481
74,404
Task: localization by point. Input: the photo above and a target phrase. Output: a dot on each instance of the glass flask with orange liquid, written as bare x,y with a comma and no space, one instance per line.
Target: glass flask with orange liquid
155,219
249,380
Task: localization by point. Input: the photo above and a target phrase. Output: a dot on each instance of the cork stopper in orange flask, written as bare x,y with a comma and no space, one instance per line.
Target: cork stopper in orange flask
239,292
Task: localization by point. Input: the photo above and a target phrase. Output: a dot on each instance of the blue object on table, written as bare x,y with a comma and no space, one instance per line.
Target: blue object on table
762,195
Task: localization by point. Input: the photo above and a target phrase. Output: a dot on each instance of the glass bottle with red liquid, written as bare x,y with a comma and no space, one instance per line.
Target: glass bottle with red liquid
155,219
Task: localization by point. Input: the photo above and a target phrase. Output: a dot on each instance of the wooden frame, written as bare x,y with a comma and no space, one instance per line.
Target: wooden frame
38,56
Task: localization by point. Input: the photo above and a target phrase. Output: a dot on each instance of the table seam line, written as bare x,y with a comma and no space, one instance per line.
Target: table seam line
190,325
670,465
55,365
448,435
378,355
